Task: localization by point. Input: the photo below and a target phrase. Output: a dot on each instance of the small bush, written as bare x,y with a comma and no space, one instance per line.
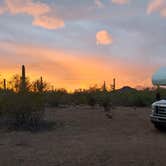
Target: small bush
91,101
22,110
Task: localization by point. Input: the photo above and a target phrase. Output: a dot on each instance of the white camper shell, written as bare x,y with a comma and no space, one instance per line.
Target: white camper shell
159,78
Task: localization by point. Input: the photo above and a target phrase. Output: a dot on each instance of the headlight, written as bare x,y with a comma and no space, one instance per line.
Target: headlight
153,109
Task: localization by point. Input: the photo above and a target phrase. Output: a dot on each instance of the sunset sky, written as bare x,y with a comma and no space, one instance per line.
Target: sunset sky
79,43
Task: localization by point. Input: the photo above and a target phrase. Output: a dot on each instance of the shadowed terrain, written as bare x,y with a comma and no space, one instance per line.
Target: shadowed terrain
85,136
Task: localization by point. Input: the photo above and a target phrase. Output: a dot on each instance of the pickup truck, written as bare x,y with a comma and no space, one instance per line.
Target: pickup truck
158,114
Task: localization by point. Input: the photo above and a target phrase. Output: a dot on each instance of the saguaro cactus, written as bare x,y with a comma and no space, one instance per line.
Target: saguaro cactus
4,85
113,86
23,80
104,88
41,85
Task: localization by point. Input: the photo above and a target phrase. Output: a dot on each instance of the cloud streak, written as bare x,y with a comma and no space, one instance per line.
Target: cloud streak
120,2
42,13
67,69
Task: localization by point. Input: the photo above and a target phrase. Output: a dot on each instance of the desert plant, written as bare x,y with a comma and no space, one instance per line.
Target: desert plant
91,101
22,110
20,107
39,85
4,85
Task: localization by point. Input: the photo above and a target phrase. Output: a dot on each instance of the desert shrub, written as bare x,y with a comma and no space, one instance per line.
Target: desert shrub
57,98
139,98
106,101
91,101
22,110
125,97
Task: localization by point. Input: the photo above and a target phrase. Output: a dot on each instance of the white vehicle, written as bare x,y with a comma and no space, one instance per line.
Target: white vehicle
158,114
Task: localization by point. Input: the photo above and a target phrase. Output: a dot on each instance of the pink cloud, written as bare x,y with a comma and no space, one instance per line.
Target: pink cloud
27,7
2,9
48,22
103,37
157,6
42,13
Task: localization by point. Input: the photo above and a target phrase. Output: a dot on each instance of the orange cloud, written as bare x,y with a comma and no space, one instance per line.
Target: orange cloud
157,5
48,22
42,13
120,2
26,7
2,10
104,38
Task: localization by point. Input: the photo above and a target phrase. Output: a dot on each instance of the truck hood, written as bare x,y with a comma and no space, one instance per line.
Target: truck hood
160,102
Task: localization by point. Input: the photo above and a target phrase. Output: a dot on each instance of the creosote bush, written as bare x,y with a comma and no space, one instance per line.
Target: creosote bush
96,96
22,110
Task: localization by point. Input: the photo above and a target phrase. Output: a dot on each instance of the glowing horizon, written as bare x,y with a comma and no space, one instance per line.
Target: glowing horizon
72,85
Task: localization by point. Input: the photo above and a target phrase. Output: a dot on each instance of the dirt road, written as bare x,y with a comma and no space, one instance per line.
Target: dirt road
86,137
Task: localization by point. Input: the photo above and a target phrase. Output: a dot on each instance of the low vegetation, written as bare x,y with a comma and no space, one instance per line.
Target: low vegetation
96,96
22,103
22,110
20,107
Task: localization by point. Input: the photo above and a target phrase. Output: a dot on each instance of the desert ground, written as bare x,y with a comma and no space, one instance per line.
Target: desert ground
84,136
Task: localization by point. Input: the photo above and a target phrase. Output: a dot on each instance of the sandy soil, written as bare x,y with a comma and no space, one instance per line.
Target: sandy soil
86,137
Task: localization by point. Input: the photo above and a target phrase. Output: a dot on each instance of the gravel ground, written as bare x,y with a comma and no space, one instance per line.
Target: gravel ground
83,136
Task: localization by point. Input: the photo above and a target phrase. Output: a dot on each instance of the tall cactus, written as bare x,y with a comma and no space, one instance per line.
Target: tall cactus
41,85
104,88
4,85
113,86
23,80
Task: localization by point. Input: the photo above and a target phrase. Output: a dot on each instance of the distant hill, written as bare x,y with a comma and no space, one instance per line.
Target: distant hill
126,89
